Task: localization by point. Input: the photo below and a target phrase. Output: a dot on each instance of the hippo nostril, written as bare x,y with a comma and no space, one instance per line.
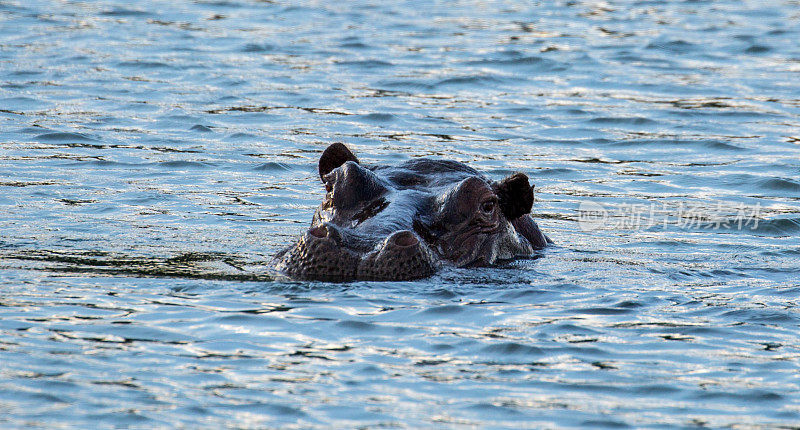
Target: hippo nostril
404,239
319,232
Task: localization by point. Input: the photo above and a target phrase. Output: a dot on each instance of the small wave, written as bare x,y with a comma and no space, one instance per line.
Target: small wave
512,348
777,227
716,144
779,184
753,395
633,120
525,61
609,423
555,171
757,49
659,142
481,81
444,310
604,311
180,164
377,117
357,326
240,135
273,166
64,137
354,45
103,163
759,183
677,46
761,316
523,295
201,128
255,47
407,85
140,64
366,64
119,11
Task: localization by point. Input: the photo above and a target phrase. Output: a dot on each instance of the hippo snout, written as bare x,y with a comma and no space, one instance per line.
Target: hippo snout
400,257
323,253
318,255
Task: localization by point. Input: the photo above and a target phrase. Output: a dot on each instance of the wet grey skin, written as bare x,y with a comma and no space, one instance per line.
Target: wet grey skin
404,222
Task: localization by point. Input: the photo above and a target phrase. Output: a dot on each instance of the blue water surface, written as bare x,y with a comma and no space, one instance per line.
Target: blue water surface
155,154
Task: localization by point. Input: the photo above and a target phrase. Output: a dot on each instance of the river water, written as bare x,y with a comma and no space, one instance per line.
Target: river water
155,154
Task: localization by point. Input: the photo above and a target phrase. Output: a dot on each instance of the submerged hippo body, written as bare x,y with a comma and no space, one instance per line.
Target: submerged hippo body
403,222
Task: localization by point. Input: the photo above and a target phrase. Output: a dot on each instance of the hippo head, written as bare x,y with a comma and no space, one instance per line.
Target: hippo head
403,222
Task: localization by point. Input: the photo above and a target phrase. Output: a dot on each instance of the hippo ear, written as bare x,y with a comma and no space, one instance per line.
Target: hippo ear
515,195
333,157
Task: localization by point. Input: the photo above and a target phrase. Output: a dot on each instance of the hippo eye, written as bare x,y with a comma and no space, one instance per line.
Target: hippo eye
487,207
328,187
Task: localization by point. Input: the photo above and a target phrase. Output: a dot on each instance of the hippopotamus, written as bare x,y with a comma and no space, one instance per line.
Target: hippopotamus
406,221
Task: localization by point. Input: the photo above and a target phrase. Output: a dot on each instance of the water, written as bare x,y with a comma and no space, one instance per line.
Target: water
155,154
